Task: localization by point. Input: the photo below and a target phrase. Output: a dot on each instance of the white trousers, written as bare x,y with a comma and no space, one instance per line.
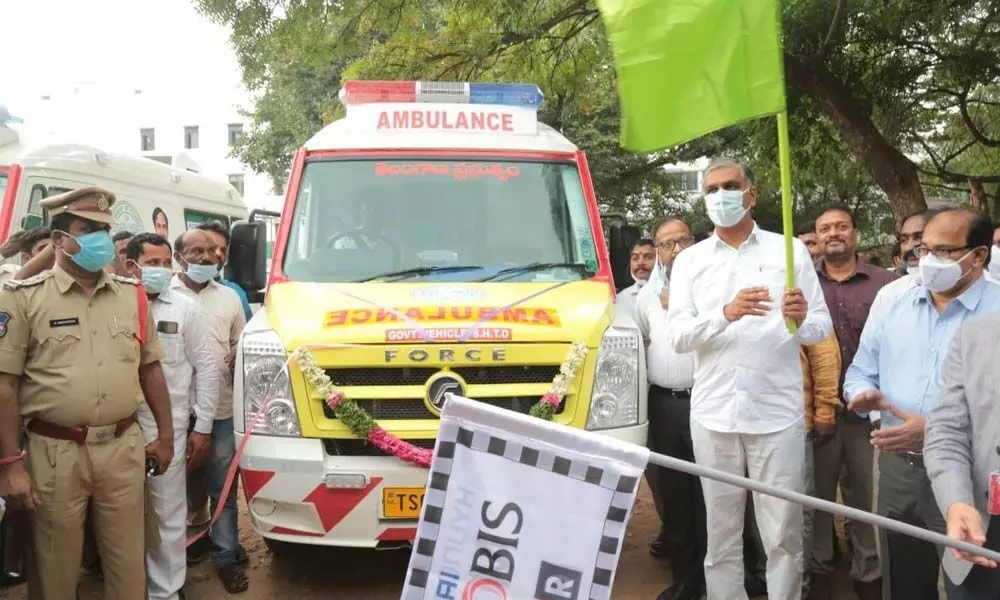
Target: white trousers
775,459
166,564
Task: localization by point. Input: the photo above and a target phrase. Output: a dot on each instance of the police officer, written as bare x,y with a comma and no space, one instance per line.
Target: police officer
78,350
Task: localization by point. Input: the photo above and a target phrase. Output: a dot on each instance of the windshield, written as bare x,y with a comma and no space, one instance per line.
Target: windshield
441,220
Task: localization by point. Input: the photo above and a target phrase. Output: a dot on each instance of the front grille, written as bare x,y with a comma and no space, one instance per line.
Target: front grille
415,409
363,448
486,375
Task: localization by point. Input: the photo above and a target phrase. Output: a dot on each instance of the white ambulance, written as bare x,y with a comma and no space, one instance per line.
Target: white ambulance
152,196
451,204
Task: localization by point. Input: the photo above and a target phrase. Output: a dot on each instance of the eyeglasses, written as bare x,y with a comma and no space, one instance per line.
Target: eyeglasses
682,243
922,251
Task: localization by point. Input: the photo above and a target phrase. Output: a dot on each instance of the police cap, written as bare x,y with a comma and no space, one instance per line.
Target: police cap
91,203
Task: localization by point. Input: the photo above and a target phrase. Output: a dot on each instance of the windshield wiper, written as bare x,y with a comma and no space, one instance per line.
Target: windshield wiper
538,266
417,271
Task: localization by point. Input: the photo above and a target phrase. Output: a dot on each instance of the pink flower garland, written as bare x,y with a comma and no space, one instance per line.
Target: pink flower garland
364,426
405,451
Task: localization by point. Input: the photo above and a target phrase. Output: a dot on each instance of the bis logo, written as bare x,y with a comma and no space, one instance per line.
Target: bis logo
557,583
484,589
438,387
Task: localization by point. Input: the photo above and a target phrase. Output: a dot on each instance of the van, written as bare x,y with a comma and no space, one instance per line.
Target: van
151,196
437,239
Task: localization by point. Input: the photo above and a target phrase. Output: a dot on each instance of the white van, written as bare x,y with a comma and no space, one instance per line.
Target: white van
152,196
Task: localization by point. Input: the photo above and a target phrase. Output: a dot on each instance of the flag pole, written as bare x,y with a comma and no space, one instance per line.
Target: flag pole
785,166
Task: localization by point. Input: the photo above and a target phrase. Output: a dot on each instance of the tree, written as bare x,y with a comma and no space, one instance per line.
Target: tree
874,86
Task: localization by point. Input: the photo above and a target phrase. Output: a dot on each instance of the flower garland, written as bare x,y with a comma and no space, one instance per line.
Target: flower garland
365,427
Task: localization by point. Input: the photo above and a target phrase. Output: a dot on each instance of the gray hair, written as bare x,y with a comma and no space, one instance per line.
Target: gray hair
720,163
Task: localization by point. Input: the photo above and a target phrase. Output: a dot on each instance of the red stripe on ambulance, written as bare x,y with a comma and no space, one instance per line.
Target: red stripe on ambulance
332,505
398,534
287,531
253,481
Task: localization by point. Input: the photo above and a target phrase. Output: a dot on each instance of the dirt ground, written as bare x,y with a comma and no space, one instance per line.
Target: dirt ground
321,573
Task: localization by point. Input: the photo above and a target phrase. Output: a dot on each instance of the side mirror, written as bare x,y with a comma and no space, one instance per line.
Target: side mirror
621,238
247,264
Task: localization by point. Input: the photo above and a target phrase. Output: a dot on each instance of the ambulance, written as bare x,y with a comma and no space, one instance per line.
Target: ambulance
151,196
438,238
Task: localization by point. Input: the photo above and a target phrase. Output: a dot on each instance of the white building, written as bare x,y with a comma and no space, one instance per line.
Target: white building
179,126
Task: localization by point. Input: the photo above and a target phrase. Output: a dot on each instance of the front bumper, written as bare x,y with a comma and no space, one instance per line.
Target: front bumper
284,480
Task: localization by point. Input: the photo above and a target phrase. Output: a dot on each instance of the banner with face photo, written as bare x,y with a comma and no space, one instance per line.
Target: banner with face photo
521,508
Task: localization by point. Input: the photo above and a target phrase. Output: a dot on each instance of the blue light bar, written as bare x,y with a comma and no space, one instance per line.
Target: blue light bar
525,95
506,94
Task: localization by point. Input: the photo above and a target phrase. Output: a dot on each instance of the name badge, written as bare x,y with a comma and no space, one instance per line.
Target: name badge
64,322
994,504
167,327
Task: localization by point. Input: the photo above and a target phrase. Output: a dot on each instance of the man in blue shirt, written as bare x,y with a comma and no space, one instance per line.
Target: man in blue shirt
220,235
897,370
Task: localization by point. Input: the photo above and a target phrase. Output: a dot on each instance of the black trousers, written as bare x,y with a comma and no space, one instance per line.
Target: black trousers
981,583
909,566
683,504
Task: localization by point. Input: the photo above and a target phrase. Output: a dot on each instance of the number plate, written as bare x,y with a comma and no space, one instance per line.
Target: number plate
402,502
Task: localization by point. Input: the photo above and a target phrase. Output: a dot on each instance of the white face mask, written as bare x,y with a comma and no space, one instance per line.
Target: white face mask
658,278
994,267
941,274
725,207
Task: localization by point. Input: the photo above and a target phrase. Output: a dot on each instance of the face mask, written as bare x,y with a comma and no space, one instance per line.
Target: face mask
994,267
96,251
725,207
939,274
201,273
156,280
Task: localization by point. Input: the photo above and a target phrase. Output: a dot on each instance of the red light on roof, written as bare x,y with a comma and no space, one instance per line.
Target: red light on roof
366,92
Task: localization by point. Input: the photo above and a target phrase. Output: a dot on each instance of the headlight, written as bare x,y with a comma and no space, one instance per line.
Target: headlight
265,382
614,401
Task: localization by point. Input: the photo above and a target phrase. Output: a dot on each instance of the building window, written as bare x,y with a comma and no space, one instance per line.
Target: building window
235,133
191,137
689,181
147,139
236,180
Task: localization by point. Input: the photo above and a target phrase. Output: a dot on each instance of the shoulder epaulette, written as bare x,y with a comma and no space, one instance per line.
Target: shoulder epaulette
16,284
128,280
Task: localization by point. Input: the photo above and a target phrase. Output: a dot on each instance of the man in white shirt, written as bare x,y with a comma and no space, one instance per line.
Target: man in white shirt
189,359
641,261
729,305
194,251
671,377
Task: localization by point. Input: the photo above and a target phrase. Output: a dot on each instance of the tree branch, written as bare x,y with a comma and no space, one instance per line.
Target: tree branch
979,136
833,33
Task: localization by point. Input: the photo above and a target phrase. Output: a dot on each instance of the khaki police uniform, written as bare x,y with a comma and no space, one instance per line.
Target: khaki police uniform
78,357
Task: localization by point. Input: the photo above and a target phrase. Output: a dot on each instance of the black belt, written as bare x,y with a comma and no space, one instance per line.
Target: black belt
914,459
677,392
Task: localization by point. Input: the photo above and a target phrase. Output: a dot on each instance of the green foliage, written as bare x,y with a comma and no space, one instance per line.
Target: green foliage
914,76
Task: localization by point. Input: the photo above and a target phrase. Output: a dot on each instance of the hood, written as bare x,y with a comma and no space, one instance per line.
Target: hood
394,313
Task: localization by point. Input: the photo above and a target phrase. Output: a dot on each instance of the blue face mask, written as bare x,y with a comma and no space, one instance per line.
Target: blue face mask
201,273
156,280
96,251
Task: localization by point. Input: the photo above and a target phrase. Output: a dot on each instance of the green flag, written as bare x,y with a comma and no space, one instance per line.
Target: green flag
689,67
